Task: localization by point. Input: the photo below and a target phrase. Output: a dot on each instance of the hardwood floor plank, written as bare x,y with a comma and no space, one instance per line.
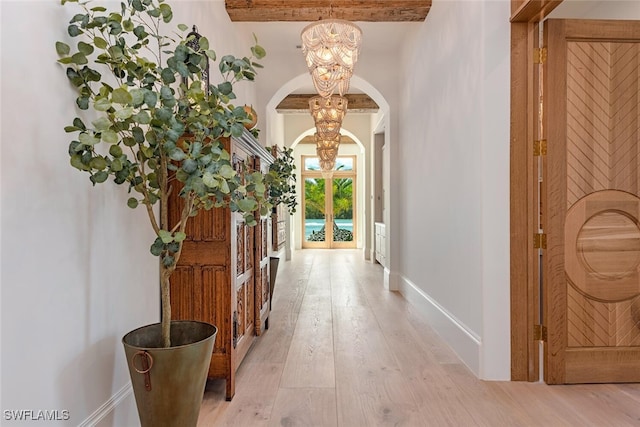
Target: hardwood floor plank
600,403
312,407
291,284
310,362
343,351
310,358
370,387
259,383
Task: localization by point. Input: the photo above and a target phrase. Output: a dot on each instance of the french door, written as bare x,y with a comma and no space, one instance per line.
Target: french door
329,204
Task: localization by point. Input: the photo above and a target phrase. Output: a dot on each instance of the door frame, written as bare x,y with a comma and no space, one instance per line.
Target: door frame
353,174
525,297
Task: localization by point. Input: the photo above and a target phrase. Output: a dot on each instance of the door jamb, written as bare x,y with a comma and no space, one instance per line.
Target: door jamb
525,14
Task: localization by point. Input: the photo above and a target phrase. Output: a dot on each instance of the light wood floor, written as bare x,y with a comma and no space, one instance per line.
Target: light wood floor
342,351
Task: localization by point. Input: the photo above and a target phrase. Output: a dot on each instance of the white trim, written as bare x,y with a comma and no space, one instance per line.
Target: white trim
466,343
386,277
394,277
107,407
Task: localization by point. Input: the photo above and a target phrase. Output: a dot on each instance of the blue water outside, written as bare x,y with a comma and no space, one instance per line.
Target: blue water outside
311,225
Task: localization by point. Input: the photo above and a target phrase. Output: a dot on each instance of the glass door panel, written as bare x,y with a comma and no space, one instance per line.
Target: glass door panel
329,205
314,212
342,213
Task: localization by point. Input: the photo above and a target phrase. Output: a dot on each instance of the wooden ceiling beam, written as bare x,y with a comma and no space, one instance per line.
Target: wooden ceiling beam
313,10
357,102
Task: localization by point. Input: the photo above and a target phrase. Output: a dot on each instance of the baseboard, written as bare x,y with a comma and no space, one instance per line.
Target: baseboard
108,407
466,343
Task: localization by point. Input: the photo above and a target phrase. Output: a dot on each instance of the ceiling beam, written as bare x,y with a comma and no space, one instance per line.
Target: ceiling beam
313,10
357,102
310,139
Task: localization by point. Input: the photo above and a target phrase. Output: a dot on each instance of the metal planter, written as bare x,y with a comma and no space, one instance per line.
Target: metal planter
168,383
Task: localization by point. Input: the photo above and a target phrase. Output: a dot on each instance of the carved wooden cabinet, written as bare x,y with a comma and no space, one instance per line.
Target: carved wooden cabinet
279,224
222,276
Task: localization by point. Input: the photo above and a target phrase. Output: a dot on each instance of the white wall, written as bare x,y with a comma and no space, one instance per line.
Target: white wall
76,271
454,174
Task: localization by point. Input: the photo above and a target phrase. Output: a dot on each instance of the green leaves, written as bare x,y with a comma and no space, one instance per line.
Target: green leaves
101,123
168,76
124,113
74,30
225,88
87,139
282,179
102,104
166,12
62,48
121,96
177,155
79,58
99,42
165,236
115,151
258,51
167,245
247,205
109,137
210,180
227,172
85,48
144,110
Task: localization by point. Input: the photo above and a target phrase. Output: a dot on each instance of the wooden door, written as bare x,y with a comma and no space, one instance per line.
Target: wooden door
592,210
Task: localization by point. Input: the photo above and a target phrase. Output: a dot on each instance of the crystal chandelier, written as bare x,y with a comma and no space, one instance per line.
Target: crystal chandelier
327,114
331,48
327,150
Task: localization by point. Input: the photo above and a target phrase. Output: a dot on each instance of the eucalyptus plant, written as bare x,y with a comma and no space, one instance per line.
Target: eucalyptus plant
281,180
157,125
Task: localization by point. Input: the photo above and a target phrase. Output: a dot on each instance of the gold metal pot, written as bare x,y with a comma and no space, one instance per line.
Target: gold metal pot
168,383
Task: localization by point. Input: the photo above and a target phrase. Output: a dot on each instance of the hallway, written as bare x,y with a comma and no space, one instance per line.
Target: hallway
342,351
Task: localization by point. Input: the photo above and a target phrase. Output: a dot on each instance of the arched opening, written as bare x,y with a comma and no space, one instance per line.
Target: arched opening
368,131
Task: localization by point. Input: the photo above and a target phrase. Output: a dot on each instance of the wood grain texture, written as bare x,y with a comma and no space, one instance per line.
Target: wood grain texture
392,368
310,361
312,10
593,239
555,283
215,274
532,10
299,102
305,407
523,185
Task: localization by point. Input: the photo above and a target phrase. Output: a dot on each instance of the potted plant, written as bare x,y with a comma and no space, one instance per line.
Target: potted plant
156,129
281,181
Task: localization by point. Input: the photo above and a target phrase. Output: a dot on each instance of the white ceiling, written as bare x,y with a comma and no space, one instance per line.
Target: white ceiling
281,40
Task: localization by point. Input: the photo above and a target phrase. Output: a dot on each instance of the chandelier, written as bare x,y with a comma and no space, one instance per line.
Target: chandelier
331,48
327,114
327,150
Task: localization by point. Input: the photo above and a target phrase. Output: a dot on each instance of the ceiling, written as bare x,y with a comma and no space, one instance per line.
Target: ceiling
385,24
